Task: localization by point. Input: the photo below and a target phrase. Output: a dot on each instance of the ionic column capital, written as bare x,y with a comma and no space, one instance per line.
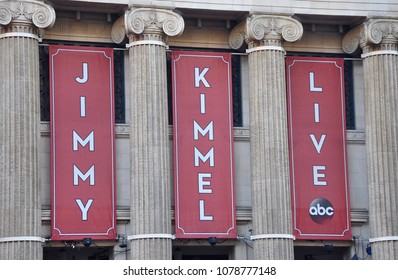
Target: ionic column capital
25,18
271,27
265,30
374,35
149,24
33,12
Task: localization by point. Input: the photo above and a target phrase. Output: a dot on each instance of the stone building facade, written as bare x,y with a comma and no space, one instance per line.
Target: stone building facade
259,35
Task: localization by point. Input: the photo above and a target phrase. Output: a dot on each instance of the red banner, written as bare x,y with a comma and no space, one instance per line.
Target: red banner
82,143
318,155
203,140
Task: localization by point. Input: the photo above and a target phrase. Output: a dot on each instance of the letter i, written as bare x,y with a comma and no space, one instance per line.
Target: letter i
202,103
82,106
316,112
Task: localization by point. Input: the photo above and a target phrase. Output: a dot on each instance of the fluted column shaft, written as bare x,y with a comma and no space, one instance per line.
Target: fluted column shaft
149,140
381,95
270,177
270,158
378,39
20,209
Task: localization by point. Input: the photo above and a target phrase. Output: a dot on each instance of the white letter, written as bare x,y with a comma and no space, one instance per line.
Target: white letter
312,84
209,155
313,211
89,139
84,79
78,174
316,175
82,106
316,112
329,211
202,212
84,208
318,146
200,77
202,183
198,129
321,209
202,103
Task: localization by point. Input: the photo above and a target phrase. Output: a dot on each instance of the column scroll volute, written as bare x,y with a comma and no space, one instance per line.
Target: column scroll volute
39,13
375,34
118,32
237,36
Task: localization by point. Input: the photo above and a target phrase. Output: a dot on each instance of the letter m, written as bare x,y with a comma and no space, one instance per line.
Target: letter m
77,139
199,156
198,129
78,174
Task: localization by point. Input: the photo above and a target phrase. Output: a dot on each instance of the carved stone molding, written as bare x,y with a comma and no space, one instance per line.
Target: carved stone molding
152,24
237,36
351,40
33,12
118,31
371,35
383,31
260,27
272,30
265,30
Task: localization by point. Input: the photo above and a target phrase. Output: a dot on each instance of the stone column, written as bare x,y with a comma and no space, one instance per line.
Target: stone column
378,39
147,30
20,209
270,177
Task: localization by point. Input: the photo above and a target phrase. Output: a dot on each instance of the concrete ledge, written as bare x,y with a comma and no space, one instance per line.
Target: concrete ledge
240,133
243,216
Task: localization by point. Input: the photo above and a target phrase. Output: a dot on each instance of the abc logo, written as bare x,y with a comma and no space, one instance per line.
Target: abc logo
321,211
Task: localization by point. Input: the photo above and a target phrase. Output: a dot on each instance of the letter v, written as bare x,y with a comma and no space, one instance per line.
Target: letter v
318,145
